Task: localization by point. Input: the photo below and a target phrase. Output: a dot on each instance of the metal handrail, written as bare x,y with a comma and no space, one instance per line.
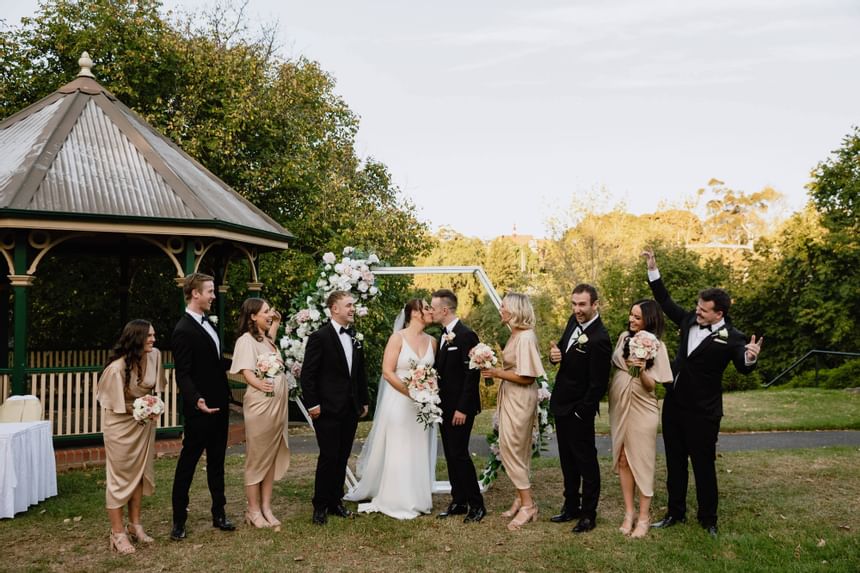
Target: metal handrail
803,358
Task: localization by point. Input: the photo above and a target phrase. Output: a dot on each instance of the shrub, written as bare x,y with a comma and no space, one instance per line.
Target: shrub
845,376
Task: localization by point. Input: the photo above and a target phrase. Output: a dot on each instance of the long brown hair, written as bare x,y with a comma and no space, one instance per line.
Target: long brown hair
250,307
130,346
410,306
652,321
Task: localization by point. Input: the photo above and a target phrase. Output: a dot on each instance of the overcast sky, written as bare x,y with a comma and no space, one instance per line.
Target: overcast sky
497,113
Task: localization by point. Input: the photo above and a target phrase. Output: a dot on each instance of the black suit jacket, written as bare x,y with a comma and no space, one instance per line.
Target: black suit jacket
201,371
458,384
326,379
698,378
584,372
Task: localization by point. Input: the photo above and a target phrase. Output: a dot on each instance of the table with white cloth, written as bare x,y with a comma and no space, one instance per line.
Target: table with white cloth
28,470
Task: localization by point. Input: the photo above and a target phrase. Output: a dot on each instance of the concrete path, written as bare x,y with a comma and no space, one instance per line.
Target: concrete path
306,444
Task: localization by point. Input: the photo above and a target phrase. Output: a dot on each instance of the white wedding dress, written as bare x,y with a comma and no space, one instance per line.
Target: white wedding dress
395,463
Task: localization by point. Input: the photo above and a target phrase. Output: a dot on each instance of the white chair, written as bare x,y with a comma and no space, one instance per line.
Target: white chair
25,408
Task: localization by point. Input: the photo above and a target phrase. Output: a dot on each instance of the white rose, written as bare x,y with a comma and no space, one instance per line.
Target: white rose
315,314
329,258
583,338
348,250
338,268
372,259
373,290
362,286
321,283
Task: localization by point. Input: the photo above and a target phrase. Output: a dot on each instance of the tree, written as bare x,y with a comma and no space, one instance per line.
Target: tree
273,129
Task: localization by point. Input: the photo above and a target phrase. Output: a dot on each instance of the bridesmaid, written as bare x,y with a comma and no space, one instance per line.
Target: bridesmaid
133,370
267,454
633,414
517,403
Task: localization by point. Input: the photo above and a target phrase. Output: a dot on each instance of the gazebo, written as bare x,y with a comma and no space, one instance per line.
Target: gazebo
79,170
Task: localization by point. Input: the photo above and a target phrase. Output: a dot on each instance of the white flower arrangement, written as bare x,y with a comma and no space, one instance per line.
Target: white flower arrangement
352,274
449,338
214,319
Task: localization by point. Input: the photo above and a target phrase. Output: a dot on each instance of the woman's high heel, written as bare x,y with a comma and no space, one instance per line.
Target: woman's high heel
273,521
256,519
524,515
627,524
514,508
136,533
642,527
119,542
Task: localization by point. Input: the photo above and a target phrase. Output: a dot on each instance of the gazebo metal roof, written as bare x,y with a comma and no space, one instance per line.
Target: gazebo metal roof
81,160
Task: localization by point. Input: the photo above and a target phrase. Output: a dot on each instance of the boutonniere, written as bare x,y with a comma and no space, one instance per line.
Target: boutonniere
448,338
357,339
721,336
583,338
213,319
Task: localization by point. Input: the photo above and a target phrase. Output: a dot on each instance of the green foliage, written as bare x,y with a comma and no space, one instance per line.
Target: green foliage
845,376
734,381
275,130
835,188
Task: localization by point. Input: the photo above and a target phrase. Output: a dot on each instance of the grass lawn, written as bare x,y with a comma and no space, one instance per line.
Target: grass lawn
787,510
762,411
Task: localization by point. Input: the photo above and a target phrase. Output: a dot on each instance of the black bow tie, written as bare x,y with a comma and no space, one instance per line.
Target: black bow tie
705,327
204,319
444,331
350,331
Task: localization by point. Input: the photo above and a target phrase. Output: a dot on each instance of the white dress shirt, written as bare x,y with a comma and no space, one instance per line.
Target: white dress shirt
345,341
207,326
450,330
580,328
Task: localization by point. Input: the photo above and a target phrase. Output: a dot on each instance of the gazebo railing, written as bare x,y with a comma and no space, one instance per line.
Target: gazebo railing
68,397
74,358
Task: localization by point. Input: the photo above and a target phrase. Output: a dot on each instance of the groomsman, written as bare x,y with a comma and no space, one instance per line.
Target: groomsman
202,380
584,353
693,405
334,389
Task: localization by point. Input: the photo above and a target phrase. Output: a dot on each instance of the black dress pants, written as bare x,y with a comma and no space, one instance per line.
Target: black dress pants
691,436
461,469
204,432
335,434
578,456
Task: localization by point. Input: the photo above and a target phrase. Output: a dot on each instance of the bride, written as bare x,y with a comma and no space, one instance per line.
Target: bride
395,463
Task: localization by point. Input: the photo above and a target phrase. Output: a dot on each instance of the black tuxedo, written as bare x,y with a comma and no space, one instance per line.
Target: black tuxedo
458,390
200,373
341,394
580,383
694,405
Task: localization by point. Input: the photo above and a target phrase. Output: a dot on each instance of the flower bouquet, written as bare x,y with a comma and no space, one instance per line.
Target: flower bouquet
146,408
422,384
269,365
482,357
643,345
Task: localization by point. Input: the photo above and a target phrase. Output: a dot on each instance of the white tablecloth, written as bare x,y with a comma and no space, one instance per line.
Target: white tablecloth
28,471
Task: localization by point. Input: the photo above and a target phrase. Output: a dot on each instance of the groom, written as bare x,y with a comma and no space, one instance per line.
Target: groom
334,387
458,389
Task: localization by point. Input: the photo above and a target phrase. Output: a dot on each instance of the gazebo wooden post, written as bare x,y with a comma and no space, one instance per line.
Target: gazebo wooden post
20,281
4,322
124,286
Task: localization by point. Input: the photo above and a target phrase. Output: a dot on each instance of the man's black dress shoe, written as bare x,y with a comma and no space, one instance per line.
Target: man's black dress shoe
565,516
711,529
320,517
584,524
475,514
668,521
340,511
223,523
177,533
454,509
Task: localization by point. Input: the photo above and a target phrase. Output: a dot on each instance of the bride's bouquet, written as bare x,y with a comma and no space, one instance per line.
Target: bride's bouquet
423,386
269,365
481,357
147,407
643,345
